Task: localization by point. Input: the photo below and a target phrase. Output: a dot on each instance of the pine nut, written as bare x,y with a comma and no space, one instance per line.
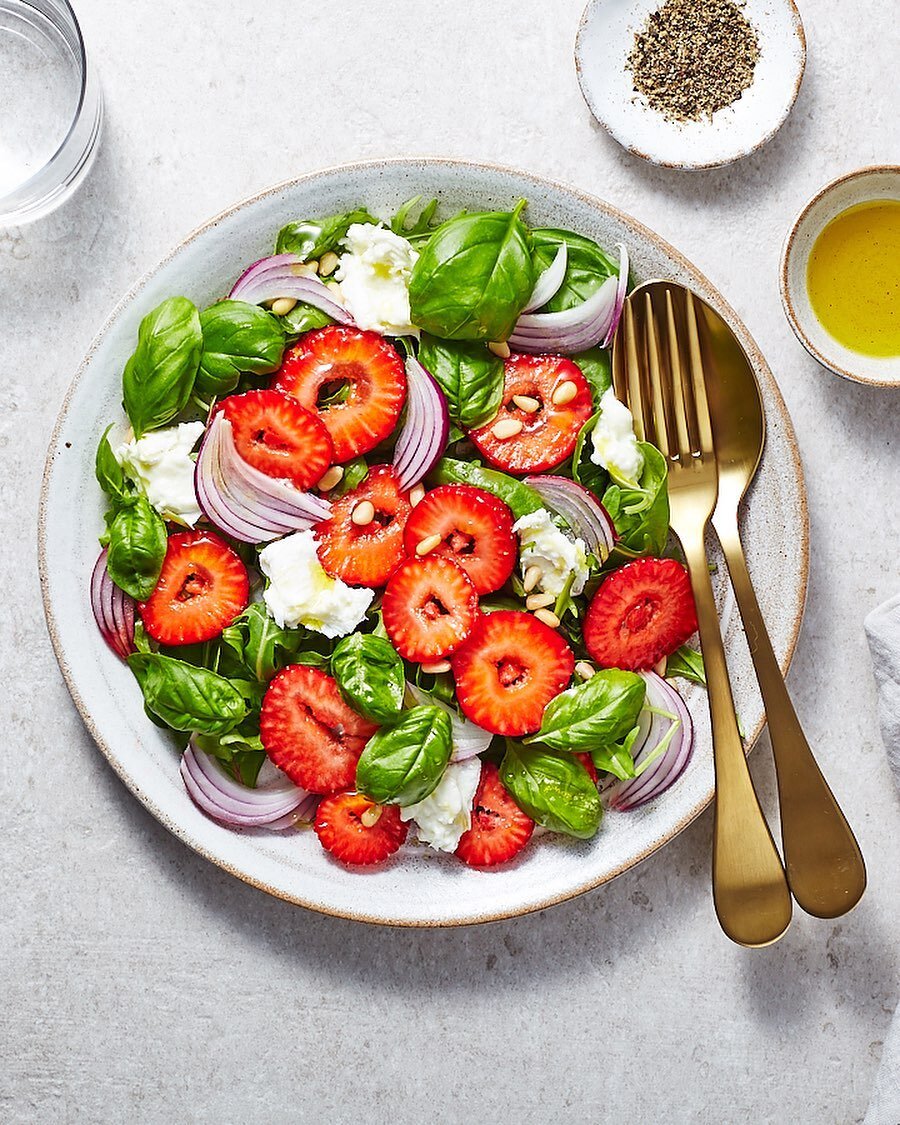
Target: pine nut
335,290
500,348
547,617
533,575
527,403
328,263
506,428
584,670
437,667
564,393
539,601
307,269
371,816
283,305
427,545
660,666
416,494
363,513
331,478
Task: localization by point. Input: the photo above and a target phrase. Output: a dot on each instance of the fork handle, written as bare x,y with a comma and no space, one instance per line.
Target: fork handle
750,891
825,867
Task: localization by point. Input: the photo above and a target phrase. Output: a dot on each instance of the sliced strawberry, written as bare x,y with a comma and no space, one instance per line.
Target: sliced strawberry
354,380
588,762
278,436
499,827
429,608
548,434
365,554
356,830
308,730
508,671
640,614
476,531
202,588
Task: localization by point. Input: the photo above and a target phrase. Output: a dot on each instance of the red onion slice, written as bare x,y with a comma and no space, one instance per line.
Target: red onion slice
277,804
621,290
467,738
113,610
581,510
277,276
244,502
425,430
549,281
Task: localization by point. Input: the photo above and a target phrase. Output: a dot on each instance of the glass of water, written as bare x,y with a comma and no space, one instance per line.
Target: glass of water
51,108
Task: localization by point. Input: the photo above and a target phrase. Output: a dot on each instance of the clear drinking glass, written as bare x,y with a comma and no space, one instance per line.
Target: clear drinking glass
51,109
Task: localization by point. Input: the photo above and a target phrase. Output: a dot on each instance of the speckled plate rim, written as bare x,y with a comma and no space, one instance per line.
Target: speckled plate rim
786,288
704,288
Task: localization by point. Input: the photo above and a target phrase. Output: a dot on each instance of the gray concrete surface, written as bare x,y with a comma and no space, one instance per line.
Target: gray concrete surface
141,984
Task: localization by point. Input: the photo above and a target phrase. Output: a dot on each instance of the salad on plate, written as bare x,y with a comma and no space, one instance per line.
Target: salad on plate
382,550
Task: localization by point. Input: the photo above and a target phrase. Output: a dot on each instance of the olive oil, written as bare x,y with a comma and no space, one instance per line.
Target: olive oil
853,278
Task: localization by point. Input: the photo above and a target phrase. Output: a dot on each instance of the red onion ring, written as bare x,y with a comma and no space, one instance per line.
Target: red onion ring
581,510
113,610
277,276
621,290
276,805
425,430
466,737
244,502
549,281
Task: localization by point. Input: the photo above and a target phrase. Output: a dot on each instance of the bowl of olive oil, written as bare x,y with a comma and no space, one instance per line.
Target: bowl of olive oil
840,276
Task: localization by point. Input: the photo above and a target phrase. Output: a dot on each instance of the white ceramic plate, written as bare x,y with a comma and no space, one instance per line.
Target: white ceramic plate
417,887
604,42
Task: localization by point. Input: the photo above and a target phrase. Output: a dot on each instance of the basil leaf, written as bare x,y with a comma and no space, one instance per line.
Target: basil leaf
110,474
470,376
555,790
311,238
238,338
616,758
641,515
186,697
588,474
598,712
355,472
520,498
587,266
473,277
370,675
241,755
403,763
596,367
687,662
159,377
137,547
259,644
303,318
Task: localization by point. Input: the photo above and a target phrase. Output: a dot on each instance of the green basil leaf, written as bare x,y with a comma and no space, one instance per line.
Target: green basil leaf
137,547
238,338
473,276
311,238
641,515
242,755
687,662
186,697
110,474
521,498
159,377
470,376
589,475
355,472
303,318
555,790
370,675
616,758
403,763
258,643
596,367
598,712
587,266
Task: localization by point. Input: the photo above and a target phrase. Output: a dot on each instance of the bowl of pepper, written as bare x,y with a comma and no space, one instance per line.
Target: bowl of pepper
690,83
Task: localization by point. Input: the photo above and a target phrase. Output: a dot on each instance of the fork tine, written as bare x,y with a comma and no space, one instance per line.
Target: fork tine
698,380
654,368
679,376
633,396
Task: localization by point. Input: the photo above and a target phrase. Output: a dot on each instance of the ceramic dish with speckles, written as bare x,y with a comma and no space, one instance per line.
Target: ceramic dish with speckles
417,888
602,47
863,186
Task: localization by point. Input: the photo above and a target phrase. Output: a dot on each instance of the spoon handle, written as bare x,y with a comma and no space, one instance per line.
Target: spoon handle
825,867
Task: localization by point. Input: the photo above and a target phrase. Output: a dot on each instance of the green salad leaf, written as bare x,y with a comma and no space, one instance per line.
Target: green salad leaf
238,339
402,764
186,697
687,662
311,238
110,474
584,470
137,547
596,713
521,498
555,790
303,318
596,367
416,229
159,377
641,515
470,376
258,643
587,266
242,755
370,675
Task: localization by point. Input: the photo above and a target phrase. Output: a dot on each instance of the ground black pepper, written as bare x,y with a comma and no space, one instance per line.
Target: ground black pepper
693,57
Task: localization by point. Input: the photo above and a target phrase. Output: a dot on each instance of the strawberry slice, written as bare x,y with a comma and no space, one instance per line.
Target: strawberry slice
476,532
500,830
588,762
508,671
365,554
549,433
202,588
357,831
278,436
429,608
354,380
640,614
309,732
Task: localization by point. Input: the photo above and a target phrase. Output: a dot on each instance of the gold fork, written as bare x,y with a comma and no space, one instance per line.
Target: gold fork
659,375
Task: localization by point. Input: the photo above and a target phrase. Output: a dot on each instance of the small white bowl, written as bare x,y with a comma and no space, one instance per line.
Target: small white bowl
876,182
604,42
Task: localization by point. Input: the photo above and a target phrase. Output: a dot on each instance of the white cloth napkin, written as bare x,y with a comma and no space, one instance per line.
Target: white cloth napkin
883,632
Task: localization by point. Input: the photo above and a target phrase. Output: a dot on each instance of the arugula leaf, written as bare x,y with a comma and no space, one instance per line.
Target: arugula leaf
521,498
687,662
641,515
370,675
596,367
238,338
417,229
159,377
185,697
598,712
555,790
473,276
587,266
311,238
259,644
137,547
470,376
303,318
402,764
584,470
